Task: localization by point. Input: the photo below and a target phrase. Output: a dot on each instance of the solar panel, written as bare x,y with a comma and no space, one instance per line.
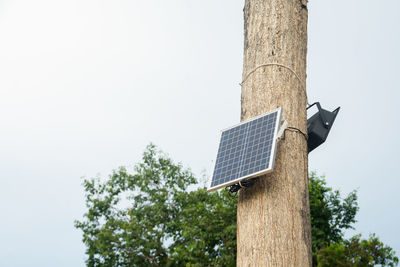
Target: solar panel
246,150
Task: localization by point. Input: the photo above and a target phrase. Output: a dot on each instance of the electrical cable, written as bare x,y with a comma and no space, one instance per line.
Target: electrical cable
303,84
242,184
293,129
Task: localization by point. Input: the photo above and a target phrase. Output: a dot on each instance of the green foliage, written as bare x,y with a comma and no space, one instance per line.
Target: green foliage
330,215
150,218
357,253
207,227
134,235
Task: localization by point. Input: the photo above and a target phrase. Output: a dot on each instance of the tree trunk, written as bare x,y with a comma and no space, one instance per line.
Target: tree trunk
274,215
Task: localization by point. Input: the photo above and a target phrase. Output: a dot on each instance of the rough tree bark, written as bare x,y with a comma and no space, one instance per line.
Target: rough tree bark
274,215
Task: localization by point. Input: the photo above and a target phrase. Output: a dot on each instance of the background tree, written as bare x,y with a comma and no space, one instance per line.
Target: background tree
330,215
150,218
357,252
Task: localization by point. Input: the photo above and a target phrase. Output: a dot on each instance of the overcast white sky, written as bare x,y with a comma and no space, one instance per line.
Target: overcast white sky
85,85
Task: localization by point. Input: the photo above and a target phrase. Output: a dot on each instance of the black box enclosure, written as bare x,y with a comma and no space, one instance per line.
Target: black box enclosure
319,125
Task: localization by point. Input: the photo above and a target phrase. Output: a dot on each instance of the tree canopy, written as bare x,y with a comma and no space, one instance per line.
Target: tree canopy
149,217
330,216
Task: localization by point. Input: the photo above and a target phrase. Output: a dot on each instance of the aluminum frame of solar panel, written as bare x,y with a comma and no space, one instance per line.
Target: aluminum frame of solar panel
237,150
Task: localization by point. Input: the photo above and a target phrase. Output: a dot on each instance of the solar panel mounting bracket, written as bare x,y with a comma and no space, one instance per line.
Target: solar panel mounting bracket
282,129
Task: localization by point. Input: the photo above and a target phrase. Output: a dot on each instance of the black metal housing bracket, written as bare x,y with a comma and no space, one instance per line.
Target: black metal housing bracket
319,125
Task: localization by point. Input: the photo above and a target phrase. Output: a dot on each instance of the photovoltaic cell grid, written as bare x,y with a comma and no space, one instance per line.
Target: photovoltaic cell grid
245,150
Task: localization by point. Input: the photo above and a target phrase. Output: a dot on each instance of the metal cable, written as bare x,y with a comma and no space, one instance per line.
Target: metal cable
303,84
